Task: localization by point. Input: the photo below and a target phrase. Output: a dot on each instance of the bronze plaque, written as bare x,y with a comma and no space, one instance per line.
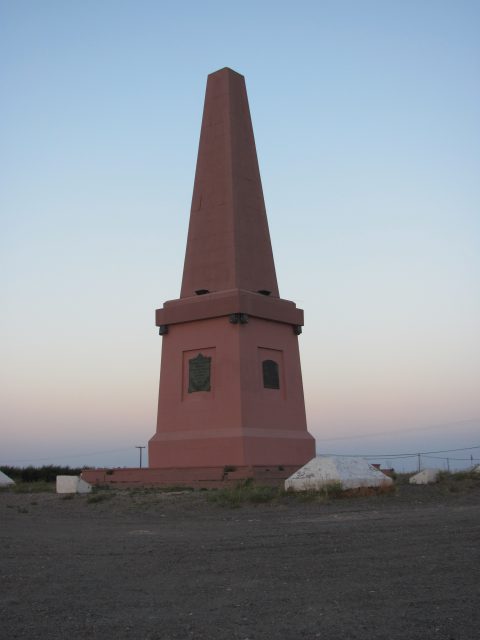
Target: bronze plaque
271,379
199,373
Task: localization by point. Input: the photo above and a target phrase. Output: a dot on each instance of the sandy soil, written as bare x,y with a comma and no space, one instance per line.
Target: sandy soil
175,566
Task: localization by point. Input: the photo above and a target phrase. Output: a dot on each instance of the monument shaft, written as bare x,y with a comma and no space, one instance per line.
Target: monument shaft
230,385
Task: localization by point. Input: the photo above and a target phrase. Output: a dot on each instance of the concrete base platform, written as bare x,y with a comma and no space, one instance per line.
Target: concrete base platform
196,477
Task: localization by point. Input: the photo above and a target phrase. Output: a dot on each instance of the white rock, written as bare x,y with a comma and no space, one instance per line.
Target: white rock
350,473
426,476
5,481
72,484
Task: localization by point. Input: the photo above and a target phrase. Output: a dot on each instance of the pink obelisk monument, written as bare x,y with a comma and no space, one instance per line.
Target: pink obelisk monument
230,384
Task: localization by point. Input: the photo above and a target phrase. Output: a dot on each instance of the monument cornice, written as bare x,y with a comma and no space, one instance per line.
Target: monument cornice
225,303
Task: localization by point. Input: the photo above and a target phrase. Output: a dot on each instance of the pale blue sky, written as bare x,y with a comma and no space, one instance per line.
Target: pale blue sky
366,116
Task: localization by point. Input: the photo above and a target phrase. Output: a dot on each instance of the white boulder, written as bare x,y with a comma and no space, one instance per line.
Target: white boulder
5,481
72,484
426,476
350,473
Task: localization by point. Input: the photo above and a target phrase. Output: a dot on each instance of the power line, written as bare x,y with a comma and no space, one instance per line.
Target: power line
450,458
448,450
398,455
376,434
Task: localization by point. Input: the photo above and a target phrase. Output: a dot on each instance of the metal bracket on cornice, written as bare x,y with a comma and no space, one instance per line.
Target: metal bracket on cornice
238,318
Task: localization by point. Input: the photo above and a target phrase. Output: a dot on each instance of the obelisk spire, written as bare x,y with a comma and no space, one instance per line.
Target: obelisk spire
231,384
228,244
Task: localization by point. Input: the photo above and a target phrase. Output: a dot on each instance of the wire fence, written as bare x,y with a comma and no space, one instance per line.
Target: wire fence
448,462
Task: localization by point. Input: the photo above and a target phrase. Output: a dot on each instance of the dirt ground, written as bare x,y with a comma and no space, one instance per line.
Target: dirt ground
160,566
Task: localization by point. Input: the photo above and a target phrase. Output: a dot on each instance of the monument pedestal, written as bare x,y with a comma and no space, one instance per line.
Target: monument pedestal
245,406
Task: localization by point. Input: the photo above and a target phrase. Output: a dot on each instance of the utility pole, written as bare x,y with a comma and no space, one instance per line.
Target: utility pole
140,449
419,462
448,464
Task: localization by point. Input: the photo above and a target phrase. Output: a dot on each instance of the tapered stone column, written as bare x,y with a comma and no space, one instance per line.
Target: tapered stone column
230,385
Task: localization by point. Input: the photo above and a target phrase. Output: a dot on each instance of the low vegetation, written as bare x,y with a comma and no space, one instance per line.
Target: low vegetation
242,493
47,473
458,481
33,487
93,498
249,493
36,479
42,479
141,491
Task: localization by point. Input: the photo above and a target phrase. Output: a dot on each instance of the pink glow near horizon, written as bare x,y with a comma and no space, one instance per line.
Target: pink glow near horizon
367,140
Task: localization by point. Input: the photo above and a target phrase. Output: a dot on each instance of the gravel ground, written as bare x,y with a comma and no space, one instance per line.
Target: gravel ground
159,566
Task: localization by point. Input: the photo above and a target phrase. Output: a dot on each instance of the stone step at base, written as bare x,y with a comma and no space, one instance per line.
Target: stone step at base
196,477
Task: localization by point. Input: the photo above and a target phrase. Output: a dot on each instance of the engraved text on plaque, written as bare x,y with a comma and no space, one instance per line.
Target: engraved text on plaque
199,373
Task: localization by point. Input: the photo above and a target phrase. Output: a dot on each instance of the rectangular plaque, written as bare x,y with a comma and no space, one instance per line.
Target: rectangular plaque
199,373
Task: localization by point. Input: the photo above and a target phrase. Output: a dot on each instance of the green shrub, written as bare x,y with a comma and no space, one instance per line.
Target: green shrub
260,495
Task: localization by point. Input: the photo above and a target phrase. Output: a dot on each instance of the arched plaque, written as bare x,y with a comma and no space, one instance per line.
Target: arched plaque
271,378
199,373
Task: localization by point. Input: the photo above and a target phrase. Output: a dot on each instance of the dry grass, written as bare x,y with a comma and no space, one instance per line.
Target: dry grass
33,487
458,481
248,493
242,493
